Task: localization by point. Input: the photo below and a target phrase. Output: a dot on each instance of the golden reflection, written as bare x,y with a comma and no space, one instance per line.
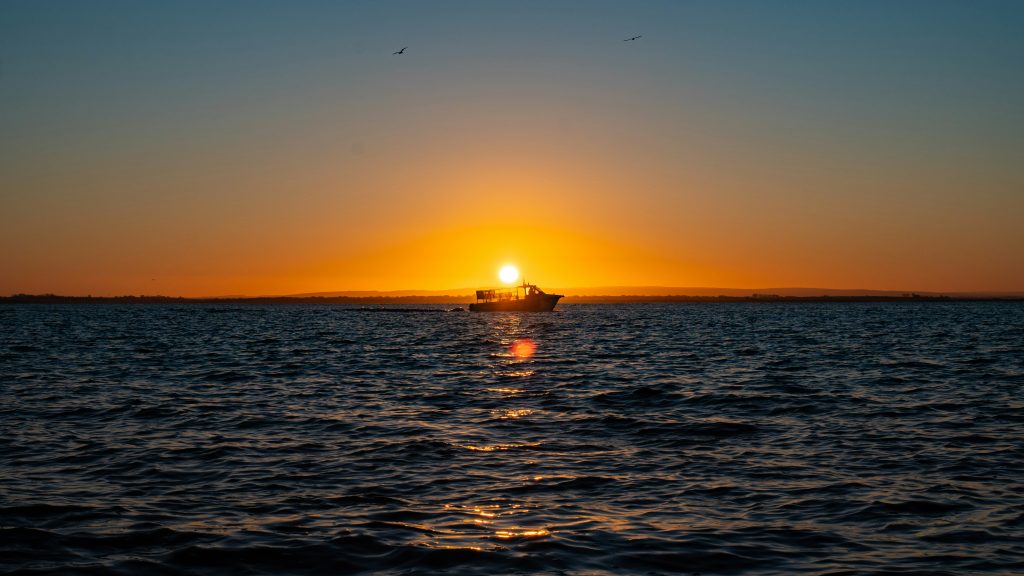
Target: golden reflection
515,374
450,547
523,348
506,390
481,512
498,447
506,534
512,413
497,521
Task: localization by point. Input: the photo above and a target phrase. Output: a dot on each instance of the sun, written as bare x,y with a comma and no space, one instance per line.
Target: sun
508,274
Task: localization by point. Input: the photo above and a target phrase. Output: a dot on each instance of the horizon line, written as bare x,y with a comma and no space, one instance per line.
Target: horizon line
584,291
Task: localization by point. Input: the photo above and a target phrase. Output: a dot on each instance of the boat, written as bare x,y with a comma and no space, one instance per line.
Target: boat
523,298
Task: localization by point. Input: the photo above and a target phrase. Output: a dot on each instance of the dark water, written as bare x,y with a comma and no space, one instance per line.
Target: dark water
710,438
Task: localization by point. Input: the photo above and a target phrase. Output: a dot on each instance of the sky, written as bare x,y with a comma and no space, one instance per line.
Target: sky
203,148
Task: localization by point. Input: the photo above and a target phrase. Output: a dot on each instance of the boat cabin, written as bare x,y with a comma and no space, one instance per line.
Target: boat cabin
520,292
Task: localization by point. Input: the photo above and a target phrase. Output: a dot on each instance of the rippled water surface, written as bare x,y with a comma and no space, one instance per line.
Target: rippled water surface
712,438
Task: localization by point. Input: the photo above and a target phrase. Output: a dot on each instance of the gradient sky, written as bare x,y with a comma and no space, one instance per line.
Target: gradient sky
204,148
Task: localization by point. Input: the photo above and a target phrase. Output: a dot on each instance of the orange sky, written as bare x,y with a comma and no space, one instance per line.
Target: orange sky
283,160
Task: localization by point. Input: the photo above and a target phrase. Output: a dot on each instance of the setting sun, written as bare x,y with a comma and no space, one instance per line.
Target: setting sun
508,274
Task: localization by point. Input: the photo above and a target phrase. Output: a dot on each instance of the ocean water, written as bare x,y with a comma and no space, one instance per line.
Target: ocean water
748,438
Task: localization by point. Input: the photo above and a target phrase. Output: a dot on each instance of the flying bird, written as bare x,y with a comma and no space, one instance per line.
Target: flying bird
633,38
400,52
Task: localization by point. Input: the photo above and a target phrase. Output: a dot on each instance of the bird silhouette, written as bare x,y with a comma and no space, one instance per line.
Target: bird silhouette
633,38
400,52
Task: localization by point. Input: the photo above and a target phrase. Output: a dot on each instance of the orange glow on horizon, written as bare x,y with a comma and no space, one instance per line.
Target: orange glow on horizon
447,226
455,214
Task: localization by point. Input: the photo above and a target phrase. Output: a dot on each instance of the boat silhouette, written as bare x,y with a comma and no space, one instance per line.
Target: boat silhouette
523,298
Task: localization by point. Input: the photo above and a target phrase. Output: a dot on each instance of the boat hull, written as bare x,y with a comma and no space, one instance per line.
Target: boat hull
541,303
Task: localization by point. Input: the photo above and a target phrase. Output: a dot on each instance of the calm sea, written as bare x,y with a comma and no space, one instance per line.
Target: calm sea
751,438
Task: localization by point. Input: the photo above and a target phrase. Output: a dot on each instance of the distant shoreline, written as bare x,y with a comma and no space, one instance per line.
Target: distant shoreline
457,300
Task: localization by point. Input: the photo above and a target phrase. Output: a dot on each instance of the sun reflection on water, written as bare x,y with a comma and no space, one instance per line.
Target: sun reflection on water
515,374
510,391
506,534
512,413
522,348
490,522
501,526
498,447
